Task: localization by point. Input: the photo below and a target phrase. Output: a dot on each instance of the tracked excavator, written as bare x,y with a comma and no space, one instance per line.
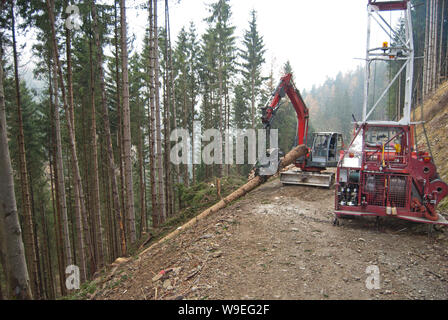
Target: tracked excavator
324,149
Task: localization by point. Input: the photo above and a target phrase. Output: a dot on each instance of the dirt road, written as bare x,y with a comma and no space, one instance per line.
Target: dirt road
279,242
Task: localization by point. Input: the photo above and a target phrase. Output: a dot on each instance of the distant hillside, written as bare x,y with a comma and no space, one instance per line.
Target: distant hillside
435,113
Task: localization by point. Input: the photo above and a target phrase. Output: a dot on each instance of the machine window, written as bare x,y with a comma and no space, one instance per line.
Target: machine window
377,136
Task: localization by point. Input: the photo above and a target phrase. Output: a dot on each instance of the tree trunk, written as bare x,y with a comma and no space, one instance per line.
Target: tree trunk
77,183
431,46
252,98
46,252
425,55
119,116
173,103
58,233
156,217
30,249
439,65
85,157
68,53
166,112
193,167
167,120
110,153
446,52
40,289
186,178
96,184
434,46
143,226
127,126
227,106
105,199
61,186
61,242
159,156
17,279
220,115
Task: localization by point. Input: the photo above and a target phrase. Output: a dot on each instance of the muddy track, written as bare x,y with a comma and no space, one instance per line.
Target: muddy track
279,242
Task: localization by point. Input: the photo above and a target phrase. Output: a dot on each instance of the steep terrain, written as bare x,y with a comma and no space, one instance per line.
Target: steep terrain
435,114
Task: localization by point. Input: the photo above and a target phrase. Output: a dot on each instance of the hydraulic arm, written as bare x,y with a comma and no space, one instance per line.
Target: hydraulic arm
286,87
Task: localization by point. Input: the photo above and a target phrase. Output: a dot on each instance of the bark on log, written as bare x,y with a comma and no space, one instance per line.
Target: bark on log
289,158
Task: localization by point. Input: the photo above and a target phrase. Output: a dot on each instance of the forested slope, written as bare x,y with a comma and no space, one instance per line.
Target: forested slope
435,113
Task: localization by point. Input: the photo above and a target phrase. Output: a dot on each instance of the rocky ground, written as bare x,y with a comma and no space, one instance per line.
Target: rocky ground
279,242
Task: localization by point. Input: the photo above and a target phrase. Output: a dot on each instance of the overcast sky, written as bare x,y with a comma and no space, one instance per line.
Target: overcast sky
320,38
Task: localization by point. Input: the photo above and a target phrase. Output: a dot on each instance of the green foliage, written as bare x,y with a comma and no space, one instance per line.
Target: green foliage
186,68
252,56
87,289
241,109
203,194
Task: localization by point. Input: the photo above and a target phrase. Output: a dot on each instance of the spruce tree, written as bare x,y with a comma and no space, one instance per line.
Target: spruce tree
252,56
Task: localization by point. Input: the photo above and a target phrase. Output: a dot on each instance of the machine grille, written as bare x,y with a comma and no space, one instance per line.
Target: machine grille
377,194
398,191
375,189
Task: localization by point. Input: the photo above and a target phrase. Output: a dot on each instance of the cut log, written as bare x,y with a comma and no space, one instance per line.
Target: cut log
288,159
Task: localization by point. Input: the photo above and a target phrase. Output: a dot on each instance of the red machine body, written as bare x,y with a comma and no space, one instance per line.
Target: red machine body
389,5
383,174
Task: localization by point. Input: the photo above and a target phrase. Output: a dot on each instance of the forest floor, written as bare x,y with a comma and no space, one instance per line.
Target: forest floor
279,242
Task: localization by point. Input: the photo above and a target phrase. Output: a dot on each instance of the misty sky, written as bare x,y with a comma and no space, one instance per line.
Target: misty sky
320,38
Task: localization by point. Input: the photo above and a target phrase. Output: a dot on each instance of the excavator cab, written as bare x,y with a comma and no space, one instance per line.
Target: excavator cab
324,153
325,149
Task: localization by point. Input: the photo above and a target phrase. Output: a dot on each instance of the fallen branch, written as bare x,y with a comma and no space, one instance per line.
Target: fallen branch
288,159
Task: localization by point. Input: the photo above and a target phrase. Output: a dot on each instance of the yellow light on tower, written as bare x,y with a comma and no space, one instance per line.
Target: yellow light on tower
385,46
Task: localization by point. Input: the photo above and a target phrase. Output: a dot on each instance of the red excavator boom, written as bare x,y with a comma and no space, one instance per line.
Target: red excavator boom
286,86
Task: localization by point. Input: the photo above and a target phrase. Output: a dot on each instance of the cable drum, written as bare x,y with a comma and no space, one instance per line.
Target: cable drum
398,191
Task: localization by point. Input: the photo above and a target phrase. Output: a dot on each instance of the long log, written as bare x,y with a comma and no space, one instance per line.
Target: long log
288,159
